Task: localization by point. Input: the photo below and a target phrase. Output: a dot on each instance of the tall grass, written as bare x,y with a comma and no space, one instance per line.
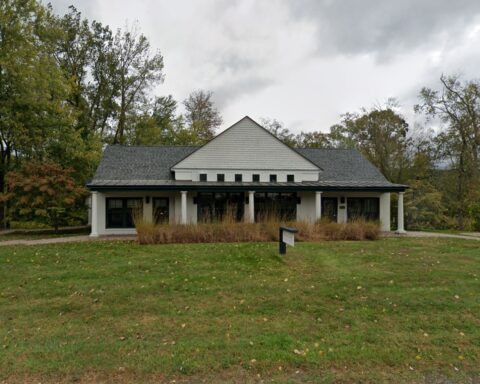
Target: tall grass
227,230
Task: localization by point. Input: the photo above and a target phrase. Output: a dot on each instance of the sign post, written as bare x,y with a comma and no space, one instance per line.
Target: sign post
286,236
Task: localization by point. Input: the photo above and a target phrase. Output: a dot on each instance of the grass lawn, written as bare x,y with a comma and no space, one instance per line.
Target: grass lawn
394,310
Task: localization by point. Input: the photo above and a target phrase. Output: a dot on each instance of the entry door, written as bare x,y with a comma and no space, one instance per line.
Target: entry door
161,210
330,208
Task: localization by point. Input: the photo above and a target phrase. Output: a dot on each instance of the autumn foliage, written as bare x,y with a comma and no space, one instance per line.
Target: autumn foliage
44,191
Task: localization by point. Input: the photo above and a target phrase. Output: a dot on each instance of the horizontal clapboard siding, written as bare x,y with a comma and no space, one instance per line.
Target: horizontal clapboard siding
246,145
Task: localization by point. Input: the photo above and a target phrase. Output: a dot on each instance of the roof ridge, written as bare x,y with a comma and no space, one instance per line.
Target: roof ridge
152,146
328,149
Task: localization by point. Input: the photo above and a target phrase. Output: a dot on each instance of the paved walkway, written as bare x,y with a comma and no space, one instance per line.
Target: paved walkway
466,236
46,231
65,239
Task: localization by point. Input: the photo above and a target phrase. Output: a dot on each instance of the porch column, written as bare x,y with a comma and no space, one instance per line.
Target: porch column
400,227
318,205
251,206
94,214
183,207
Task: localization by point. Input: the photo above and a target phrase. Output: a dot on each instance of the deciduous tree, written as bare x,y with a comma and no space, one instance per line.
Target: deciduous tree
44,191
457,105
201,116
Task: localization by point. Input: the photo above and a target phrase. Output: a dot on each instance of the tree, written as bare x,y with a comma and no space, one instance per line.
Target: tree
138,70
45,191
424,208
315,139
201,116
73,55
33,90
103,88
381,135
457,105
278,129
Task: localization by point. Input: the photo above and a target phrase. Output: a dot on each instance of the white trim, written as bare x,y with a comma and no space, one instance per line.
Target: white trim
318,205
183,207
251,206
94,214
400,214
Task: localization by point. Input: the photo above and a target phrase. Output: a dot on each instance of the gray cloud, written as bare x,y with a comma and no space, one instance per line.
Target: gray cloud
386,27
303,62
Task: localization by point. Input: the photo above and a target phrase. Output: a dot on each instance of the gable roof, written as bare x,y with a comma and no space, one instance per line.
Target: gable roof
246,145
150,166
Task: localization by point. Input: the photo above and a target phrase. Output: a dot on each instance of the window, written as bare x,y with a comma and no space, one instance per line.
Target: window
218,206
367,208
121,212
220,177
238,177
282,206
161,210
256,177
203,177
273,178
329,208
290,178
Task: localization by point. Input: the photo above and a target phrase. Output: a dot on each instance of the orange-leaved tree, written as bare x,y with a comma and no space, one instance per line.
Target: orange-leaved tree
43,191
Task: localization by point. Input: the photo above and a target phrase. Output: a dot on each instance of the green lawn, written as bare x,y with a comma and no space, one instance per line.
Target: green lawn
393,310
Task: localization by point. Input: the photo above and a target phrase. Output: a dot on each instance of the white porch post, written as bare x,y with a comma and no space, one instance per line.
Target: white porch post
400,227
94,214
318,205
183,208
251,206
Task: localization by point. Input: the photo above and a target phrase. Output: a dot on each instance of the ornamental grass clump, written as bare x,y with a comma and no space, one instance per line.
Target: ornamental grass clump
230,231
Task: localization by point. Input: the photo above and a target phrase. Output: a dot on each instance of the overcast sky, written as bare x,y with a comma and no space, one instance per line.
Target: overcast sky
303,62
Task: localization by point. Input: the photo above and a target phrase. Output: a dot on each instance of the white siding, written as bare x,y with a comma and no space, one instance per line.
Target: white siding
194,175
306,208
246,146
99,215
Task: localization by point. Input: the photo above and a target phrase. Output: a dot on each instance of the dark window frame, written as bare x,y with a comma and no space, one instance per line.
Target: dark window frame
366,208
203,177
220,177
212,206
238,177
291,178
273,178
282,205
124,212
157,219
256,177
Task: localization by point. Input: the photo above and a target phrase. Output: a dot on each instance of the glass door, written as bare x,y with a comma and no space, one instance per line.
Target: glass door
161,210
330,208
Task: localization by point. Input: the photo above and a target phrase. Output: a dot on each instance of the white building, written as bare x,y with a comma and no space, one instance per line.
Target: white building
245,170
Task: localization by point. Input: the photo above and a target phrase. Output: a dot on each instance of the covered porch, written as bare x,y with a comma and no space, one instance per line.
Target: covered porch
114,210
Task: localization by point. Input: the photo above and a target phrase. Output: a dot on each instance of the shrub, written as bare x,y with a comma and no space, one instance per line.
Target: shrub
44,192
232,232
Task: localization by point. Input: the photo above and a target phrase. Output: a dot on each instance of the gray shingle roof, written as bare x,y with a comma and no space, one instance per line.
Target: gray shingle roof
124,163
342,165
149,166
